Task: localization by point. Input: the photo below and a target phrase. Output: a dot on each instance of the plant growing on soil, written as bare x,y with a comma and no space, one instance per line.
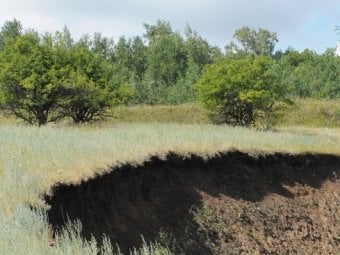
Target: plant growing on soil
240,92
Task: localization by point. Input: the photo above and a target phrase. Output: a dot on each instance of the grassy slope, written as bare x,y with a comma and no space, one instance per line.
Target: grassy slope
32,159
31,155
311,113
185,113
305,112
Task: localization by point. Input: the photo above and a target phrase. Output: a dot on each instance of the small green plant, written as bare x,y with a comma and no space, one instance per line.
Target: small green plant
240,213
210,224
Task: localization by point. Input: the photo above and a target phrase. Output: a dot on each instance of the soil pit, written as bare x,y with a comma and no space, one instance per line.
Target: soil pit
234,203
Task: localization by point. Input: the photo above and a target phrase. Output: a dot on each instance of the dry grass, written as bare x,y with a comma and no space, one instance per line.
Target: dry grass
184,113
33,159
311,113
314,113
31,155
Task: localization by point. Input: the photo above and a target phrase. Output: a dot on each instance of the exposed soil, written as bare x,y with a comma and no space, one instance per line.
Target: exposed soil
233,203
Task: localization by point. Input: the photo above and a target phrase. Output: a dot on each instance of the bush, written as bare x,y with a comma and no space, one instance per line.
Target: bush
240,91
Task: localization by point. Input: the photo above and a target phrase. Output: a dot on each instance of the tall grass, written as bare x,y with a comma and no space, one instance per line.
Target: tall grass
304,112
30,155
184,113
33,159
311,113
26,232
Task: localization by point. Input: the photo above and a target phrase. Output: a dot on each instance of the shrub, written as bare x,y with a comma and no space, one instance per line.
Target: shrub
240,91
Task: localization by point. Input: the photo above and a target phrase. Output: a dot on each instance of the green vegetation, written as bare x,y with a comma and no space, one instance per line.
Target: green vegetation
310,113
240,91
316,113
49,77
183,113
43,79
48,155
260,42
308,74
302,113
33,159
158,77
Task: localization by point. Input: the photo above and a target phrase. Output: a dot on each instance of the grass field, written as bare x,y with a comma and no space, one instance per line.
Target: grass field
311,113
33,159
303,113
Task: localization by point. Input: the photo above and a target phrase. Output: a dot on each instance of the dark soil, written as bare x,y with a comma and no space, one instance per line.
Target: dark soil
266,204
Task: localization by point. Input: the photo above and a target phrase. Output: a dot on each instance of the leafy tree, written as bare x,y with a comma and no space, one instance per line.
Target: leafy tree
87,80
103,46
251,41
138,58
199,53
27,85
122,62
166,61
63,38
240,91
10,30
309,74
85,101
154,32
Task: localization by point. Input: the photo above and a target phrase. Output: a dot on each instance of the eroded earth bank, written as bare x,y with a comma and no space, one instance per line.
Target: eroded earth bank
234,203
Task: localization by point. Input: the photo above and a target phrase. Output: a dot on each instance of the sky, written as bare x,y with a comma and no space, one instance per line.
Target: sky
300,24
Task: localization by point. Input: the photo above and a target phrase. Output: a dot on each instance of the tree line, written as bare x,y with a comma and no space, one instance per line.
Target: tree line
47,77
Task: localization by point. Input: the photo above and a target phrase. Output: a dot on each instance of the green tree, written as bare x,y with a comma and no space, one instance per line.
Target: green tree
138,58
198,53
27,85
251,41
87,80
63,38
240,91
122,62
9,31
166,61
103,46
309,74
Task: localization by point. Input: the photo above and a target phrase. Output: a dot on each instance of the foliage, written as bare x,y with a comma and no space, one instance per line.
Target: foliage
27,84
27,231
308,74
240,91
45,78
9,31
32,160
256,42
86,80
310,113
166,60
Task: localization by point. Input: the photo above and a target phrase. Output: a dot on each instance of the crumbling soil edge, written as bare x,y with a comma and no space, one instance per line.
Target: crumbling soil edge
130,201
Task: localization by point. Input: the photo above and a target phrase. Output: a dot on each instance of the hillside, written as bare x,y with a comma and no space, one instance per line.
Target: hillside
197,189
233,203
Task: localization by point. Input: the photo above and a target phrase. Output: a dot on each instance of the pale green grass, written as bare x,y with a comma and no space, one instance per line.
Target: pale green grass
30,155
304,112
26,232
33,159
311,113
183,113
